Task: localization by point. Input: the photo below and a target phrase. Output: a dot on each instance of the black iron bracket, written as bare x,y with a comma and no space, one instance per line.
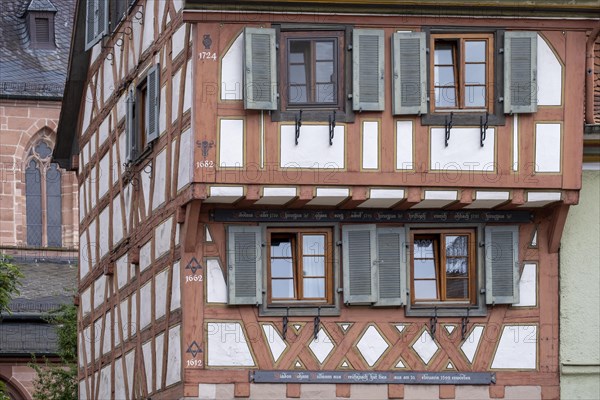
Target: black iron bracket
285,324
317,324
483,125
298,125
433,321
447,129
331,128
464,325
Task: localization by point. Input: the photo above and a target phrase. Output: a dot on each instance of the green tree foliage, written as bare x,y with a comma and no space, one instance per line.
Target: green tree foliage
10,280
3,395
59,381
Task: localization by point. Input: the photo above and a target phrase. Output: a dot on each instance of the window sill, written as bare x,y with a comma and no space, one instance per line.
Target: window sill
298,310
446,310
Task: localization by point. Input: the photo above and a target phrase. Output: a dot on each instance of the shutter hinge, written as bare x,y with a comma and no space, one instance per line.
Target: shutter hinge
500,99
501,50
427,50
349,96
340,290
276,46
349,48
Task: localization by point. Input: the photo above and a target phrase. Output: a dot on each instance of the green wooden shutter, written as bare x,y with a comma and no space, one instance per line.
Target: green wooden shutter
153,103
260,85
502,264
409,73
130,132
391,262
244,264
96,22
359,245
520,72
368,70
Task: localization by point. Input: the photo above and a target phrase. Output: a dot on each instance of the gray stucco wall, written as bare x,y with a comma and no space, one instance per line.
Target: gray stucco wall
580,295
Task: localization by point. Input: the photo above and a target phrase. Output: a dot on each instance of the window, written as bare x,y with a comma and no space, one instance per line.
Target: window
311,65
443,266
142,123
44,215
299,266
41,29
291,67
462,72
118,11
96,23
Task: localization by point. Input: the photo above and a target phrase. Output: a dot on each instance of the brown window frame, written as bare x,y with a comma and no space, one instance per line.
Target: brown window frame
297,270
440,257
32,27
460,70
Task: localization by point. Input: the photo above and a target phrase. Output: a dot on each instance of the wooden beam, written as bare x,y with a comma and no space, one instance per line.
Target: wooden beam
557,224
190,225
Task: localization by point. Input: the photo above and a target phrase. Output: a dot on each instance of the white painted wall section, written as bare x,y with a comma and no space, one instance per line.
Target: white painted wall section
160,288
160,179
104,175
145,305
372,345
515,142
329,196
528,287
313,149
227,345
437,198
216,288
175,95
277,195
232,78
464,152
147,352
185,157
425,347
231,143
145,255
174,356
471,343
117,220
176,288
488,199
517,348
224,194
547,147
404,145
370,145
549,77
382,198
274,340
162,237
178,41
159,347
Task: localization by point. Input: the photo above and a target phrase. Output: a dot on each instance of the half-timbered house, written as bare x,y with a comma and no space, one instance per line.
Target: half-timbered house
308,199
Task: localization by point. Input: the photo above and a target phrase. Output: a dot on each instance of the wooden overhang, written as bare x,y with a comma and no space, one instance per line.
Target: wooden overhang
473,8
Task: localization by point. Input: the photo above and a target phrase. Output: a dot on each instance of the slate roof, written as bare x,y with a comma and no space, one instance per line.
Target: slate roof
27,72
46,286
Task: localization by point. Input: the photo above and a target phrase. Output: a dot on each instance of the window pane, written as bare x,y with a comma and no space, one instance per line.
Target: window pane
443,54
33,203
297,94
300,51
475,74
424,269
456,245
281,247
282,288
313,266
445,97
325,93
297,74
281,268
425,290
325,50
475,96
313,244
325,71
475,51
457,288
43,150
457,267
444,76
423,248
314,287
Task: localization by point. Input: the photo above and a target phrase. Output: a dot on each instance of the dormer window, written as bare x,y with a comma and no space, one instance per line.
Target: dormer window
40,23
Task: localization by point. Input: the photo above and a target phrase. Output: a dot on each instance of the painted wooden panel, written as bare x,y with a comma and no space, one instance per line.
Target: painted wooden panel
548,147
370,145
404,145
464,151
231,143
313,149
